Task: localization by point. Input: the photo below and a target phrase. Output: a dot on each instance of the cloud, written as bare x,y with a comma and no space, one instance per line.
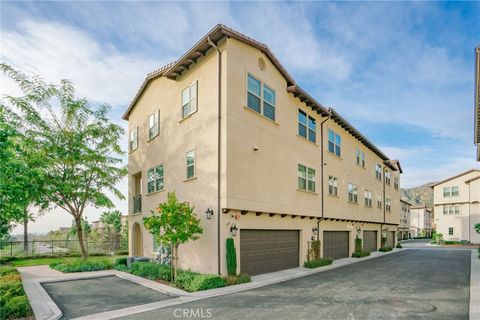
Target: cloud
58,51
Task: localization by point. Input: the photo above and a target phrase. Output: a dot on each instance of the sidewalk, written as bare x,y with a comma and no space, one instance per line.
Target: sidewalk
45,308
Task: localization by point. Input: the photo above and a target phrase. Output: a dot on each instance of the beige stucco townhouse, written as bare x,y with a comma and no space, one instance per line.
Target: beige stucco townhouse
229,130
404,226
421,221
457,206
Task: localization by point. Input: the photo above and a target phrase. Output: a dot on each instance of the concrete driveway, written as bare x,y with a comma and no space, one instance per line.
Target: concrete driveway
412,284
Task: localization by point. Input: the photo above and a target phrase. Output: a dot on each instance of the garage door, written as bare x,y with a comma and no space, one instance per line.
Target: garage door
335,244
370,241
263,251
390,238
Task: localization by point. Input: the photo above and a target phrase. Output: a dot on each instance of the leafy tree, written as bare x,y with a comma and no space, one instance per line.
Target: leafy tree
21,175
477,227
86,229
112,222
173,223
79,145
124,237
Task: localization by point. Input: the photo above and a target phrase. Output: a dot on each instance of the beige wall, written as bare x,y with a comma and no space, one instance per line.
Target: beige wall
256,181
347,171
468,200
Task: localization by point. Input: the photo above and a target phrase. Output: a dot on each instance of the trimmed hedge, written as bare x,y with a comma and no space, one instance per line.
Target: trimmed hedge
187,280
399,246
13,301
317,263
121,261
151,270
82,266
360,254
385,249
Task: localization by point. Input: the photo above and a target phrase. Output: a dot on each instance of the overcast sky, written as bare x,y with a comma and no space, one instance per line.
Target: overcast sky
402,73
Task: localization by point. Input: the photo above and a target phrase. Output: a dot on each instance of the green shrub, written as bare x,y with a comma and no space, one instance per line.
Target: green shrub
81,266
121,253
452,242
360,254
13,302
185,278
151,270
121,267
17,307
121,261
231,257
399,246
317,263
358,244
5,270
241,278
205,282
385,249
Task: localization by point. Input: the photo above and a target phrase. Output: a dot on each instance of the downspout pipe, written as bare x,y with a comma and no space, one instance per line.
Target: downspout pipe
219,155
321,176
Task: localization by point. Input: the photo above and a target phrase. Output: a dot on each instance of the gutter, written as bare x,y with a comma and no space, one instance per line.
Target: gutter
219,165
321,176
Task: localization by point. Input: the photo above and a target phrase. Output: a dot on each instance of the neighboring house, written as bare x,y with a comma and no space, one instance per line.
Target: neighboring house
228,129
421,221
457,206
477,102
98,224
404,226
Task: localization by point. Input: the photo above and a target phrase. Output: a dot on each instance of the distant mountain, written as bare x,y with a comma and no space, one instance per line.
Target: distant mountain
419,195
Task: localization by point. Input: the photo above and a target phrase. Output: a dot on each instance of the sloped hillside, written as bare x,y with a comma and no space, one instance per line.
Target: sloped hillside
419,195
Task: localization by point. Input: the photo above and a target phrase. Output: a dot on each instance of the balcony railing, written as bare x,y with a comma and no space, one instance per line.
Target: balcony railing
137,203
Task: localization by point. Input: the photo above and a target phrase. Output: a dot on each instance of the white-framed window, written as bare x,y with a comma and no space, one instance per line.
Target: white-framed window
388,204
307,126
368,198
334,143
352,193
378,171
387,177
379,201
455,191
189,99
445,209
133,140
260,97
153,125
451,210
396,182
447,192
190,157
332,185
155,180
457,209
361,158
450,231
306,178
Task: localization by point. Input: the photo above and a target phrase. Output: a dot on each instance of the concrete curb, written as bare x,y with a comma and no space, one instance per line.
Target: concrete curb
475,285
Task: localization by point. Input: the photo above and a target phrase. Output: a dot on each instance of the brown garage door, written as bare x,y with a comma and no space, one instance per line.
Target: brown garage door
336,244
370,241
263,251
390,238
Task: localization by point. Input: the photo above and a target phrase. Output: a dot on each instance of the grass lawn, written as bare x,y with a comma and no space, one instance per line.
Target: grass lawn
47,261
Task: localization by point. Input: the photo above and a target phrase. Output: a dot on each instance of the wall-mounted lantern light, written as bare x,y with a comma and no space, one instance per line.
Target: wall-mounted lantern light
209,213
315,230
233,230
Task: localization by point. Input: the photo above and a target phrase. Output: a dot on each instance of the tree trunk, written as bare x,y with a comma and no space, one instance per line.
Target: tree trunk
78,222
175,260
25,231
